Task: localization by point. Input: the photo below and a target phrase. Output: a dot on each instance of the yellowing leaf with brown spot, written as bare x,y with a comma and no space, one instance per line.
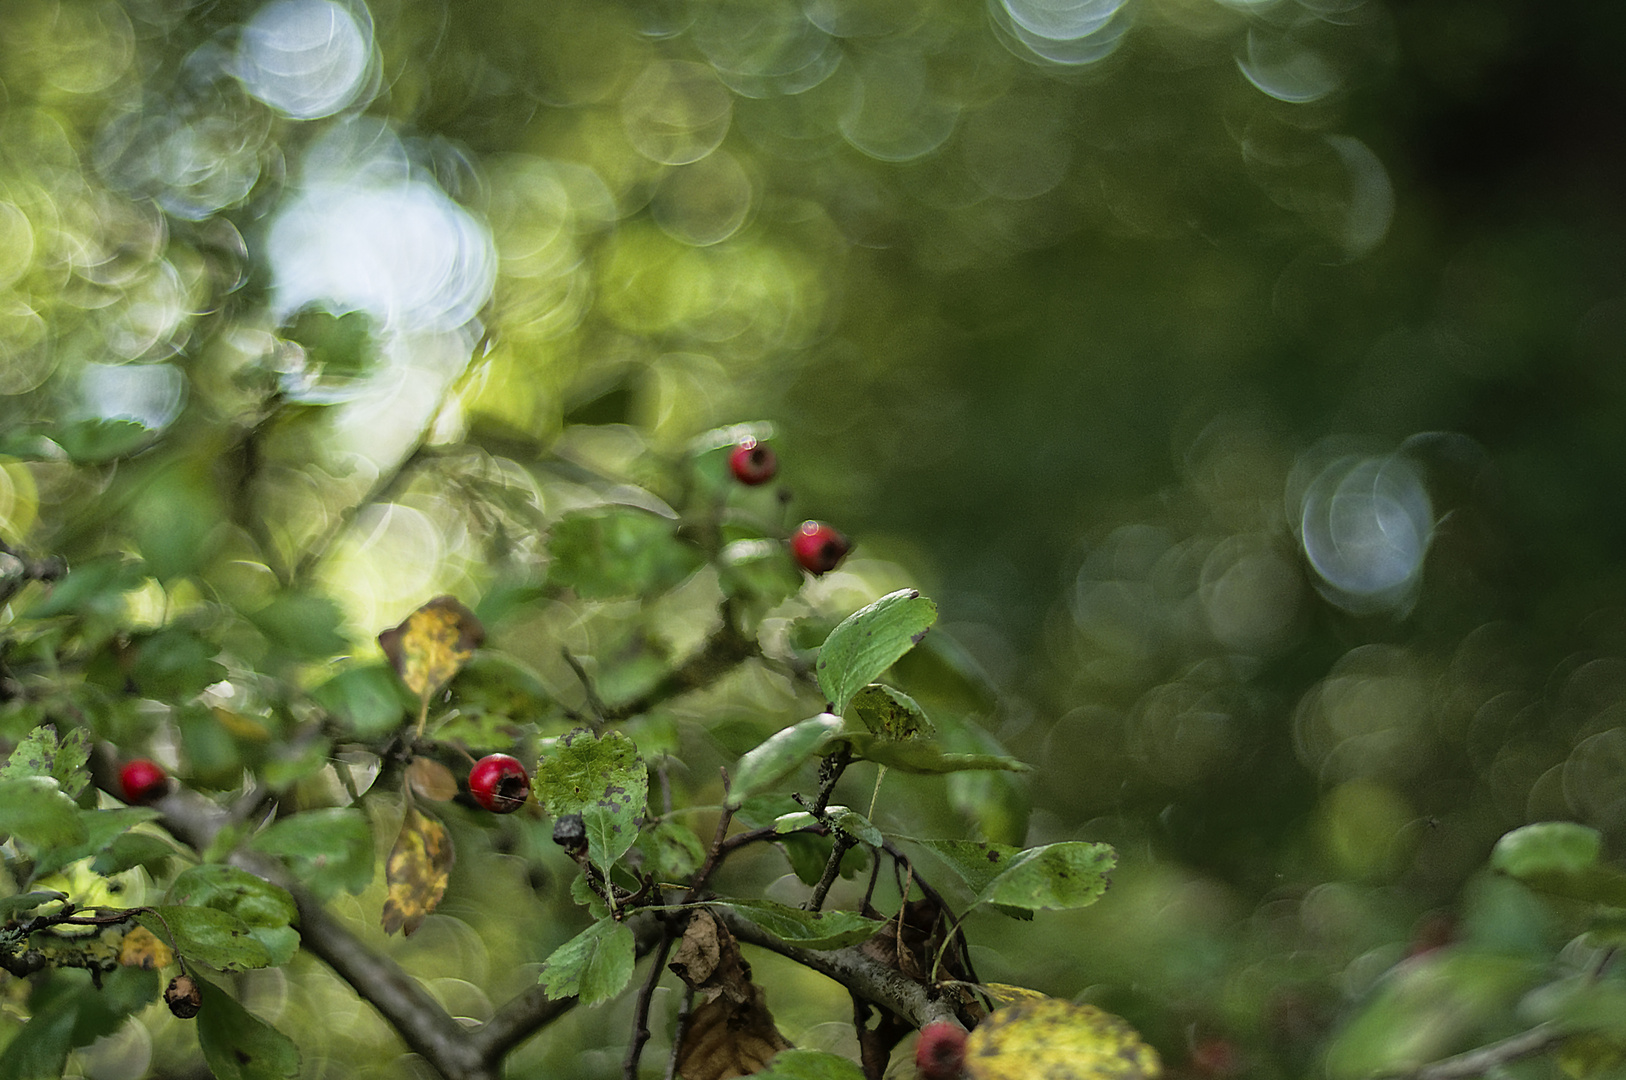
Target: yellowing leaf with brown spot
1059,1041
418,866
141,948
432,644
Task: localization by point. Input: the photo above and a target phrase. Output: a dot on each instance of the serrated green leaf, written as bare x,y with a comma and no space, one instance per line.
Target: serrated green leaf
329,850
602,779
855,825
133,849
890,713
593,966
810,1065
207,936
175,665
36,811
266,909
977,862
869,641
239,1045
925,756
1071,874
41,753
619,551
93,440
780,755
809,929
305,624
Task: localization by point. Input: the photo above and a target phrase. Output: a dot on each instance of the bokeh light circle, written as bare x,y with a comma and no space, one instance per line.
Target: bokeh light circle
676,112
1365,526
305,58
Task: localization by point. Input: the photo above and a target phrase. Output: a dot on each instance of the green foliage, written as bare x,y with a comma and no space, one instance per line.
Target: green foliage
869,641
780,755
35,811
239,1045
603,780
810,929
810,1065
618,551
594,966
330,850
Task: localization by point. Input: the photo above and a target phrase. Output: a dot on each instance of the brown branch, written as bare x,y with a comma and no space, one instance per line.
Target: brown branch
860,973
1486,1059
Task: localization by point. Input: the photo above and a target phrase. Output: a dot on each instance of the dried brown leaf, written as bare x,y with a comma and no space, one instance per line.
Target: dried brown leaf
708,960
431,779
725,1039
432,644
418,866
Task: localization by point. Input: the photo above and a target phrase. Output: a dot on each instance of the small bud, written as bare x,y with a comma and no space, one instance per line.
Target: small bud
570,833
182,997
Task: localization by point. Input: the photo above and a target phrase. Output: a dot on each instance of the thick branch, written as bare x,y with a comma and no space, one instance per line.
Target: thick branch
860,973
1489,1059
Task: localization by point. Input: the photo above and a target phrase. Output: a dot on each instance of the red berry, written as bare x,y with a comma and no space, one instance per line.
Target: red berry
752,463
818,547
940,1054
498,783
143,781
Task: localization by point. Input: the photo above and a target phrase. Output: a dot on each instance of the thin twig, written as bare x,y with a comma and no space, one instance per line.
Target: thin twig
640,1015
1486,1059
586,680
832,870
726,648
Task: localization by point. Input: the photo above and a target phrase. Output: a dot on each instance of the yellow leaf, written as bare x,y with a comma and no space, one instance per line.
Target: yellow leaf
418,866
1005,993
1058,1040
431,779
141,948
432,644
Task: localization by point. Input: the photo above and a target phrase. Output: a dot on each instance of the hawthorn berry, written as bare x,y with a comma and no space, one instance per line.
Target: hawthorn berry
183,998
940,1054
143,781
499,784
818,547
752,463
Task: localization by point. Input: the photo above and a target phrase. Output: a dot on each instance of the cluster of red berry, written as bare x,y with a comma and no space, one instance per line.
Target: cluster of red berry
818,548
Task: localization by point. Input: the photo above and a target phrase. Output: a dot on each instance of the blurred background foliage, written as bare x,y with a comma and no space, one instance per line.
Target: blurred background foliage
1242,377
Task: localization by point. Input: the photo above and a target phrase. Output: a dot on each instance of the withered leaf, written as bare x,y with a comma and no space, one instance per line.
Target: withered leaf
431,779
141,948
731,1033
725,1039
432,644
418,866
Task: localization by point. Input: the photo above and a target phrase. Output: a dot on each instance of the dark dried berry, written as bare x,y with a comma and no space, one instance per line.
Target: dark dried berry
182,997
570,833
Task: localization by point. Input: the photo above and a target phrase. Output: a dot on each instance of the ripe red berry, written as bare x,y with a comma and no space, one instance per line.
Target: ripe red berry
818,547
752,463
498,783
143,781
940,1054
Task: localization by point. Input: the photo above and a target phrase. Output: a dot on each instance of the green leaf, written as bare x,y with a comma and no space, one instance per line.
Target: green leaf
102,829
92,441
602,779
328,850
791,822
28,901
1562,859
869,641
1071,874
39,1050
809,929
780,755
36,811
758,570
594,966
132,849
889,713
97,585
923,755
207,936
236,1044
855,825
175,665
305,624
810,1065
673,851
40,753
619,551
1549,847
265,909
369,700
